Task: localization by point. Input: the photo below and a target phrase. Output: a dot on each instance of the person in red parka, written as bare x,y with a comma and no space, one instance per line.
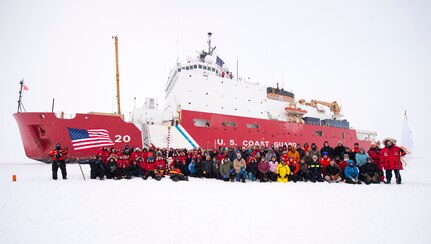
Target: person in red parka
294,169
374,153
58,160
160,166
390,158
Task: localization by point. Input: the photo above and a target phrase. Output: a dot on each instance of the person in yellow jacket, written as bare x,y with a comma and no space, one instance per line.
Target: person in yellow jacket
283,171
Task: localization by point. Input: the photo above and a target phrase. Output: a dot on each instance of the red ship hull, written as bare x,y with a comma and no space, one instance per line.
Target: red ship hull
41,131
268,133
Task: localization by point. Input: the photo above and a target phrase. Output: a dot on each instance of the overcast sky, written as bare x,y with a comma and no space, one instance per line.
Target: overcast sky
373,57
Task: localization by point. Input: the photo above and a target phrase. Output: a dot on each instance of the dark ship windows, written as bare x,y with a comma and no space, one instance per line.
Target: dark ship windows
231,124
319,133
201,123
195,66
342,135
253,126
205,67
213,69
179,70
200,66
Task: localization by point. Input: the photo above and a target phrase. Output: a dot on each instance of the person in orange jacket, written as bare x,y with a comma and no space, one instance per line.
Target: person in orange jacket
294,169
293,153
58,160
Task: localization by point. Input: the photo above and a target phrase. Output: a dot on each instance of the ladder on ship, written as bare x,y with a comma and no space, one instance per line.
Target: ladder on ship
146,138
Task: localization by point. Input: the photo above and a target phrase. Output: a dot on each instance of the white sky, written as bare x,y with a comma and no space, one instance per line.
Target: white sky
374,57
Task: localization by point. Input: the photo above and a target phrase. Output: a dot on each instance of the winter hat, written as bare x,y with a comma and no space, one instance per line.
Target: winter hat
150,158
314,156
170,160
324,154
389,139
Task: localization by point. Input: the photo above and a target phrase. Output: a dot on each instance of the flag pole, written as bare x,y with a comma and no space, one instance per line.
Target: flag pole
20,95
82,172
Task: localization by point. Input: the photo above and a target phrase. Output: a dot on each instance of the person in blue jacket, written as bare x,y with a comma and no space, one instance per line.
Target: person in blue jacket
192,169
351,173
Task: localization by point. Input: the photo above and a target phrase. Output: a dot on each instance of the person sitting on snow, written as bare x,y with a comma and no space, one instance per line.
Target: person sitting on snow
192,169
332,172
315,170
370,172
239,166
351,173
283,171
176,175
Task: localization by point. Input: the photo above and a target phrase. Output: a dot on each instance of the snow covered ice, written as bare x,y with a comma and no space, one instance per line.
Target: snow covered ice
36,209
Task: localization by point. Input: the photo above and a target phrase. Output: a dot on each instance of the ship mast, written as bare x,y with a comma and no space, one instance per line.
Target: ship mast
117,73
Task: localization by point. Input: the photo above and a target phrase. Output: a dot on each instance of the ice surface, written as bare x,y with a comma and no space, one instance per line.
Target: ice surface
36,209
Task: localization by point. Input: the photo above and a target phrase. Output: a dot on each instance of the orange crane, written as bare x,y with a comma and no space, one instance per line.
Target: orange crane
334,107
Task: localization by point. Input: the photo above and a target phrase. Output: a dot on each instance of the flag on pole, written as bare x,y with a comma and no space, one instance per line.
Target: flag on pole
92,138
25,87
407,139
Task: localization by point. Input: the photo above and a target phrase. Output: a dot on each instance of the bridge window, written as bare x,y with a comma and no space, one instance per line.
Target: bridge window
253,126
232,124
200,66
195,66
179,69
201,123
205,67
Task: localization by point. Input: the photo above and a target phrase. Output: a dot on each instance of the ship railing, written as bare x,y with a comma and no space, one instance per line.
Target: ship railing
326,125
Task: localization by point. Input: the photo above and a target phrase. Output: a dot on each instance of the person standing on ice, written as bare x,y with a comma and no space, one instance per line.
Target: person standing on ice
314,151
390,157
252,169
58,160
239,166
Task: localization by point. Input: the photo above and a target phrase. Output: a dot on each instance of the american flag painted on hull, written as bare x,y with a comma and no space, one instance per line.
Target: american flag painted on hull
92,138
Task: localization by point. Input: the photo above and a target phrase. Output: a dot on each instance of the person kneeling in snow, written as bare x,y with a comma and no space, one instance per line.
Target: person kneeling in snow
150,167
332,172
351,173
283,171
226,169
370,172
263,168
176,175
252,169
294,169
315,170
304,172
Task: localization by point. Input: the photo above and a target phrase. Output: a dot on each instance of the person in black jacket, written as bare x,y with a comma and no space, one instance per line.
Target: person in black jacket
96,168
339,149
111,168
328,149
304,172
207,167
134,170
300,151
370,172
332,172
251,169
315,170
199,168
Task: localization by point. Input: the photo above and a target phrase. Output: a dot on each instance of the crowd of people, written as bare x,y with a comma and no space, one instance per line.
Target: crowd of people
273,164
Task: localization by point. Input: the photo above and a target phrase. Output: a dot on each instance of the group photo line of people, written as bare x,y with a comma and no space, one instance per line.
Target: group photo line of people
241,164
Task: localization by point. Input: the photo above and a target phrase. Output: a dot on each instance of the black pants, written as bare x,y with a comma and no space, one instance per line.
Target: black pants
316,177
97,172
62,165
263,177
178,177
152,174
293,177
375,179
273,176
397,175
303,176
